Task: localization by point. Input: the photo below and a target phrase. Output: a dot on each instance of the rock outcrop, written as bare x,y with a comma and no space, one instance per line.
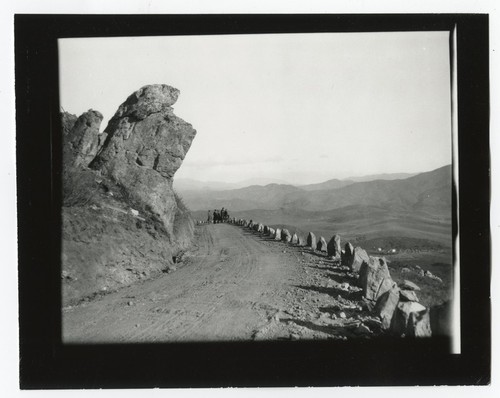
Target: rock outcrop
80,139
145,146
277,234
122,221
295,239
68,120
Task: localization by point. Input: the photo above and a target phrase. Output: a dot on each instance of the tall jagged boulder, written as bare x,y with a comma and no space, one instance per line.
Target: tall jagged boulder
146,144
68,120
121,220
374,278
311,240
334,249
295,239
272,233
80,138
277,235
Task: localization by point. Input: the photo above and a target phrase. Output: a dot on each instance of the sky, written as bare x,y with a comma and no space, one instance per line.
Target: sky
301,108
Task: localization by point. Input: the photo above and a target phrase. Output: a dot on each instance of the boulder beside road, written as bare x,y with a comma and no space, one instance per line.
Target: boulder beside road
374,278
322,245
311,240
334,249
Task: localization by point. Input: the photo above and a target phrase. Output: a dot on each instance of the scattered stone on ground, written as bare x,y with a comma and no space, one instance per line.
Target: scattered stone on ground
409,285
408,295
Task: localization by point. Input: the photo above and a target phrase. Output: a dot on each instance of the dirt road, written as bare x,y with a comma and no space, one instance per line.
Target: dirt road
233,285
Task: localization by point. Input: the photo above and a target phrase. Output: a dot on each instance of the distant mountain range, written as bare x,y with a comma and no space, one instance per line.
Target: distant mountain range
330,184
187,184
385,176
425,192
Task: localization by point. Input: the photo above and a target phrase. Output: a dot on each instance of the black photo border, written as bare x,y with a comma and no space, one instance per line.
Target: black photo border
45,363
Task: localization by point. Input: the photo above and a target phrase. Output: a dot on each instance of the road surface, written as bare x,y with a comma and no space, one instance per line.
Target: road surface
232,285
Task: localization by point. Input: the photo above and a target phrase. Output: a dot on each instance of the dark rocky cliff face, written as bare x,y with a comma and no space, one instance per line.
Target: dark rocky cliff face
122,221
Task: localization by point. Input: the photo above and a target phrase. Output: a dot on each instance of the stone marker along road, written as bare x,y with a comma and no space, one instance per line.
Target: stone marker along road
232,285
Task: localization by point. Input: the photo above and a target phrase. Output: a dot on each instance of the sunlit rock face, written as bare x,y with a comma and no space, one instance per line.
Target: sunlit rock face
145,145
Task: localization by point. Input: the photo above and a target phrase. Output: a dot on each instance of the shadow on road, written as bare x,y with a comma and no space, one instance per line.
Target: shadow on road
332,291
338,331
342,278
349,312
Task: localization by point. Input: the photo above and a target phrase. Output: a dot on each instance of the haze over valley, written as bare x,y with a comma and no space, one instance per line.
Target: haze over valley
417,207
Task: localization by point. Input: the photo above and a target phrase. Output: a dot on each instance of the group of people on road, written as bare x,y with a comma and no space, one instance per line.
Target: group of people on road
218,216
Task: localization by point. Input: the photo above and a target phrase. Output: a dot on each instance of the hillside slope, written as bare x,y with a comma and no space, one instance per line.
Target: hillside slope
430,191
425,192
327,185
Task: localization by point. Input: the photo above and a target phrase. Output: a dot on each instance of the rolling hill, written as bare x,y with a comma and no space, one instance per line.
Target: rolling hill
327,185
384,176
426,192
414,209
